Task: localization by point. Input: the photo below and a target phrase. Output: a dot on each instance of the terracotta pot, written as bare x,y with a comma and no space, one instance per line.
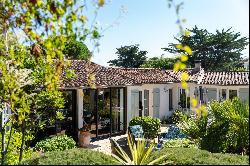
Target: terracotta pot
84,138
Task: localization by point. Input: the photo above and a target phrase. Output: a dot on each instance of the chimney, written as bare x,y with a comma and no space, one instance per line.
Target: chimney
197,64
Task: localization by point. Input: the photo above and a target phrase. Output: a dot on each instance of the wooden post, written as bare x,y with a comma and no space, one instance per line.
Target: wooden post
110,109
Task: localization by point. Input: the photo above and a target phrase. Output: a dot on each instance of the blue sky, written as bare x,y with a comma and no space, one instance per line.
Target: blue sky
151,24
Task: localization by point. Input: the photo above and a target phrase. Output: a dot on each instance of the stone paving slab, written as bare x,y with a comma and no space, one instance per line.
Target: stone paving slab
104,145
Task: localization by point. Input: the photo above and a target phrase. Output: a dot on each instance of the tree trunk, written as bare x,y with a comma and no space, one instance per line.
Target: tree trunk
2,150
7,147
23,142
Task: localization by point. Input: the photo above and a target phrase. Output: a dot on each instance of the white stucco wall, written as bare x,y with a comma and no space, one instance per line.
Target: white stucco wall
164,96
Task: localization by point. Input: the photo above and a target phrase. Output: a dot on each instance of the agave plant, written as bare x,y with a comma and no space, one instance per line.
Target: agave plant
140,151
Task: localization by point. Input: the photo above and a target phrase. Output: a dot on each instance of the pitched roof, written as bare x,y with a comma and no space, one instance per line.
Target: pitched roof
226,78
144,76
89,73
194,75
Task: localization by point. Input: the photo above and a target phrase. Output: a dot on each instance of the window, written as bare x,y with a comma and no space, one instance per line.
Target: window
211,94
223,94
232,94
170,99
184,100
140,103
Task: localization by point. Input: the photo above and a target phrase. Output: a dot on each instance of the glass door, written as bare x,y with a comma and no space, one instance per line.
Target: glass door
103,112
117,110
89,110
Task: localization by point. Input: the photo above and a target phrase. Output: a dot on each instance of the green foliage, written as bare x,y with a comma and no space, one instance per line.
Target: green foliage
162,63
129,57
176,143
29,72
150,125
138,150
14,146
219,52
76,50
193,156
176,116
227,121
56,143
74,156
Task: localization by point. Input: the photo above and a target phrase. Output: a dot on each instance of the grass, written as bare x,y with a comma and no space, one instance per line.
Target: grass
192,156
76,156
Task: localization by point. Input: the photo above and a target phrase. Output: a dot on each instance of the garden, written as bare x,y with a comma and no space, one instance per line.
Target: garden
190,141
30,99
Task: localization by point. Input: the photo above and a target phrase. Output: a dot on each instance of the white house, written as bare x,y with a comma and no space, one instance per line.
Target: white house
119,94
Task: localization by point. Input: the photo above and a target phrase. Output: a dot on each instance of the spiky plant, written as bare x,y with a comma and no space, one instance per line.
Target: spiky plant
139,151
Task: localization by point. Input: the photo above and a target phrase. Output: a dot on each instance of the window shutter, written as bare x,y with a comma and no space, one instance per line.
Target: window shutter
156,102
134,103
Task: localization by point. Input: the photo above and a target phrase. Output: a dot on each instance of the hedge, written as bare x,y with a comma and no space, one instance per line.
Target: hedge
56,143
192,156
76,156
150,125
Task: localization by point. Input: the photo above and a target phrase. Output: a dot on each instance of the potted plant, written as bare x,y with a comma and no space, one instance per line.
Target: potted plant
84,136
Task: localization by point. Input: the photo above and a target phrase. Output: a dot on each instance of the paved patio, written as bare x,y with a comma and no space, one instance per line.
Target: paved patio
104,145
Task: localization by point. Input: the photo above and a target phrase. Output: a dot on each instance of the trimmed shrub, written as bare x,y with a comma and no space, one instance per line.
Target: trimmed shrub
57,143
74,156
192,156
175,143
150,125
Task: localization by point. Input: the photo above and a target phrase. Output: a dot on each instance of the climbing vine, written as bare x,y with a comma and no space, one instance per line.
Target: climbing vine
181,65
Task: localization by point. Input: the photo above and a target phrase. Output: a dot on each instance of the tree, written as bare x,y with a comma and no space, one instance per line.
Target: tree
22,86
29,79
129,56
219,52
76,50
162,63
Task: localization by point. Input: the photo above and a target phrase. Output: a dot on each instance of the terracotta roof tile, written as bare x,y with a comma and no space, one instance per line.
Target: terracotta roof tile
109,76
226,78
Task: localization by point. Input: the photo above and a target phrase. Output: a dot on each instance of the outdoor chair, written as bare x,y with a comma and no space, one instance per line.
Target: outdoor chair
136,132
173,132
